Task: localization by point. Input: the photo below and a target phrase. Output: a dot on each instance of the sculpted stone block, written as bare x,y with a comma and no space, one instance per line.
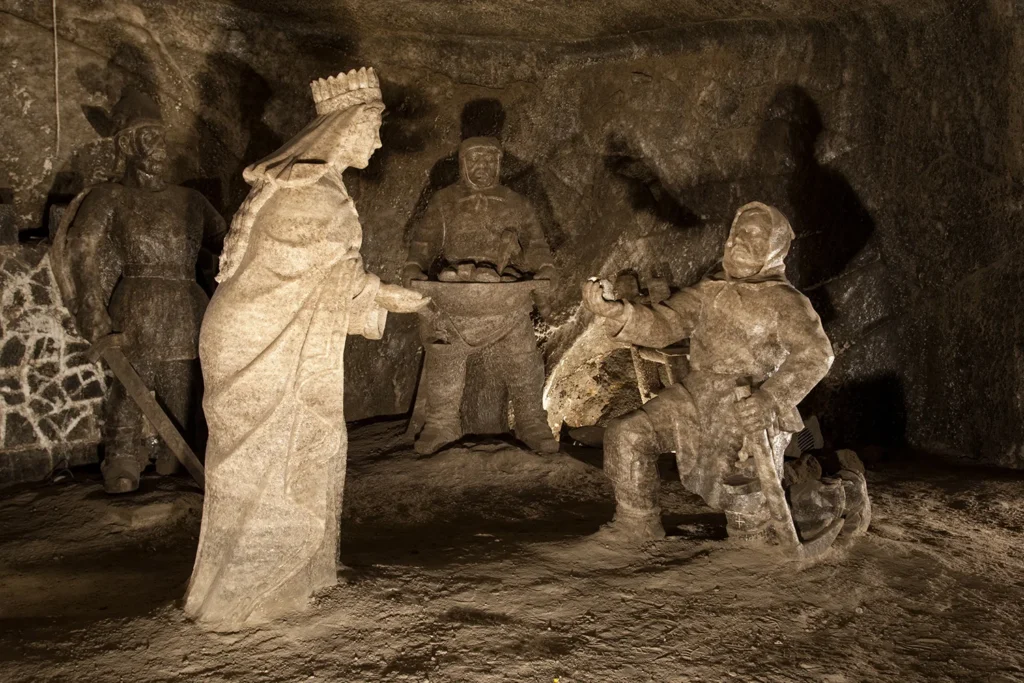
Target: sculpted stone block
293,287
124,257
481,255
756,349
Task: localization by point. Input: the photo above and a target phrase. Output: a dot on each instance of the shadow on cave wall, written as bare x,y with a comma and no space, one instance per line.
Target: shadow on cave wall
868,412
229,82
404,130
94,162
647,191
128,67
225,83
486,117
831,223
226,73
833,228
229,129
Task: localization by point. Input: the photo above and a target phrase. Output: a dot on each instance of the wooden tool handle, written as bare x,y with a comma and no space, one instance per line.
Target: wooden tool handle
140,393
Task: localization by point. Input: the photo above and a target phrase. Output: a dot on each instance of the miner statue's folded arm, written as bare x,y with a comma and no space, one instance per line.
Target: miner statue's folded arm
662,324
809,353
94,264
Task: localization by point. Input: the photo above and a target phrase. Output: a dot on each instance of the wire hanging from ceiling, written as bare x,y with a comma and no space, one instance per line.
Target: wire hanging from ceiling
56,81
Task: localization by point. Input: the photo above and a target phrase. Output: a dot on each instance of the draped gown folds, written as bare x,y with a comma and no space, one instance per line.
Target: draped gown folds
271,348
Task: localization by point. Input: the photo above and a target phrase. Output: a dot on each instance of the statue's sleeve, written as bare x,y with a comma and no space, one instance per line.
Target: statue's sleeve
427,236
366,317
662,324
95,264
536,251
809,352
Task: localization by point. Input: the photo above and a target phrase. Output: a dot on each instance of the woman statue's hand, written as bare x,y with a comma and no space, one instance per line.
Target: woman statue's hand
398,299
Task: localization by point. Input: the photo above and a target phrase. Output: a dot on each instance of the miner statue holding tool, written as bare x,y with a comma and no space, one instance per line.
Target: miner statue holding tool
125,259
756,349
481,256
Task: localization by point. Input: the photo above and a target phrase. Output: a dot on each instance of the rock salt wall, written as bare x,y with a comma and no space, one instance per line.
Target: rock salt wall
50,393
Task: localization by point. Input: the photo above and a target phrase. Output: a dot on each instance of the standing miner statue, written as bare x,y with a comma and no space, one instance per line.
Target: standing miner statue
480,232
125,259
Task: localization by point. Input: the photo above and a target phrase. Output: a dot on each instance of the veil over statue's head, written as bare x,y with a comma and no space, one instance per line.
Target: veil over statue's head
343,104
766,236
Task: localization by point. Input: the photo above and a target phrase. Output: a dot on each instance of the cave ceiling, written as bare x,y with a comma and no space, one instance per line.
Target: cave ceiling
555,19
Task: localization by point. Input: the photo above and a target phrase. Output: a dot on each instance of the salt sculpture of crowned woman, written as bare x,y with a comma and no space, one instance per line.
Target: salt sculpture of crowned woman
292,287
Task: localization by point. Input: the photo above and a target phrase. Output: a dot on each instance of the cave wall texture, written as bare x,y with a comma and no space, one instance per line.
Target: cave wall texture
888,132
50,392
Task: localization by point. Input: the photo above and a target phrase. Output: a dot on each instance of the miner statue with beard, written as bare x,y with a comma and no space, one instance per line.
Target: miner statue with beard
756,349
478,231
125,259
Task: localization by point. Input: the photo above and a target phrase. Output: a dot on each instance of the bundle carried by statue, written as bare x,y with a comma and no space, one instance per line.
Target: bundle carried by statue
462,298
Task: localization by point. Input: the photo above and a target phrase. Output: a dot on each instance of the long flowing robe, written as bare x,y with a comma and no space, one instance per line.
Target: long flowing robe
271,348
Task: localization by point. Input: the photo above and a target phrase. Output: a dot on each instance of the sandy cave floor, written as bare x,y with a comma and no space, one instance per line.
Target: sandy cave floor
473,566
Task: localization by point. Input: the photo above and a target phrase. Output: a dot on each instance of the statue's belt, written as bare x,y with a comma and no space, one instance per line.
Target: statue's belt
160,271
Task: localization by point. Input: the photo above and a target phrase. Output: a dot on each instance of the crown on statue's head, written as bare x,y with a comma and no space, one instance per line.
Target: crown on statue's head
346,90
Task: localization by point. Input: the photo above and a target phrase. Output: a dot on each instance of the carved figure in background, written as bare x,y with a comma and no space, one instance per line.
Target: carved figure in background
749,329
125,259
292,288
478,231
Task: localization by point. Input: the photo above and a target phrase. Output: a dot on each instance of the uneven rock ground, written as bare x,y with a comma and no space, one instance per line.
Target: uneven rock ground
473,566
